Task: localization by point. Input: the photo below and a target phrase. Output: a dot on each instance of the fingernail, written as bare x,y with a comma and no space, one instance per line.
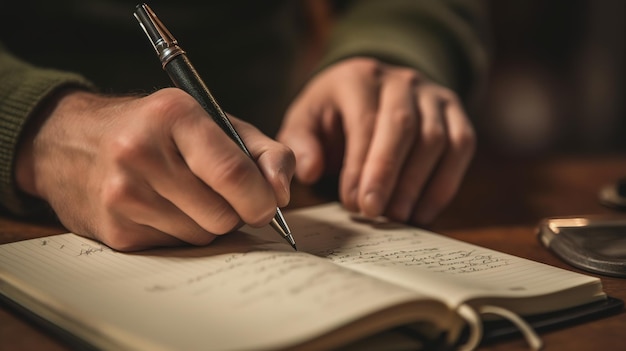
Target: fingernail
285,196
350,200
372,204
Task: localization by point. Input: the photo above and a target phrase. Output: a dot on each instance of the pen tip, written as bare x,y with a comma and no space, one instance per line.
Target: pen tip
280,225
291,241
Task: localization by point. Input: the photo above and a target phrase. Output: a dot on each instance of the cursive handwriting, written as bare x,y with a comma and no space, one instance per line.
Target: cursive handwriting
256,279
413,250
88,250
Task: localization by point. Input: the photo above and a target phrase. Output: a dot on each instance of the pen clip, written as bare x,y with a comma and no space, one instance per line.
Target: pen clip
162,40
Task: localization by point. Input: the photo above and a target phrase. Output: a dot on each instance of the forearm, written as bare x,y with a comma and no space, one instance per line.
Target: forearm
24,92
445,40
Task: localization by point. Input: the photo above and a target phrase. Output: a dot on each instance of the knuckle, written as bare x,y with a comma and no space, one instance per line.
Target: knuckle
169,100
434,138
127,148
449,96
166,106
410,76
367,66
404,119
234,171
277,150
115,190
363,120
223,223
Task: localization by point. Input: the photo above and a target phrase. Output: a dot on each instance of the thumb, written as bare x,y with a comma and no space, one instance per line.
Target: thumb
305,142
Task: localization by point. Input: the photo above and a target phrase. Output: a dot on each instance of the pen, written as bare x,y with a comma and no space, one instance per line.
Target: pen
184,76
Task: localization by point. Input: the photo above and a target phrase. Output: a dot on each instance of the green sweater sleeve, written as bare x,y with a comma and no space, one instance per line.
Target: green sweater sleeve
23,88
445,39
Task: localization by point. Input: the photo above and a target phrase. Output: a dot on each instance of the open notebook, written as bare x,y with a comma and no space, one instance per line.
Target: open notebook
250,291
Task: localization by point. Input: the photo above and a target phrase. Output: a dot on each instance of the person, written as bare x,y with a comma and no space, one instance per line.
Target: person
118,156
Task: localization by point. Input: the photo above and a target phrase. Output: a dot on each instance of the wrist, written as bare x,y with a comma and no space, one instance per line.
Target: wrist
25,157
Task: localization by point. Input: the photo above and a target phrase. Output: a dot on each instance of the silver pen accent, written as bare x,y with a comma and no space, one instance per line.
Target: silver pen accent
175,62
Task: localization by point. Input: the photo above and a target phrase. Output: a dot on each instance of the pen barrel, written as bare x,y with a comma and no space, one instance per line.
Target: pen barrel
185,77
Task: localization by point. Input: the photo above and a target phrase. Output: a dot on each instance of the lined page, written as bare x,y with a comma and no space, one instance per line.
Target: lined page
435,264
241,292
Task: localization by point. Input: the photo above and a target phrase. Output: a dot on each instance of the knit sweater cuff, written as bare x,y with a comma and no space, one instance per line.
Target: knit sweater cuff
22,93
429,36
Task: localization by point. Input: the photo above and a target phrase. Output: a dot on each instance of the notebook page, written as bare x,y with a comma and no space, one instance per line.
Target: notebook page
435,264
218,296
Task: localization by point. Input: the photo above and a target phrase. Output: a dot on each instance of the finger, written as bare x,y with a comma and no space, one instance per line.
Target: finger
394,135
195,207
302,132
449,174
276,161
135,207
424,156
167,218
358,103
219,163
128,236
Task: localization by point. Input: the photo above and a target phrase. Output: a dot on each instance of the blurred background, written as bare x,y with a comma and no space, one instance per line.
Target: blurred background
557,83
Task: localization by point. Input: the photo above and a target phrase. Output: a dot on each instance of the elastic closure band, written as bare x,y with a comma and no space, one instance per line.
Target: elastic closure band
533,340
476,326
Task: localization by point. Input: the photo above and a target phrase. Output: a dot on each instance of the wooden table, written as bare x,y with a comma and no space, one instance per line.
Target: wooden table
498,207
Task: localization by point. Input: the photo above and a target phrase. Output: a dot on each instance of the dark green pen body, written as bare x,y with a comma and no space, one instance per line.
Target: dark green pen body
185,77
